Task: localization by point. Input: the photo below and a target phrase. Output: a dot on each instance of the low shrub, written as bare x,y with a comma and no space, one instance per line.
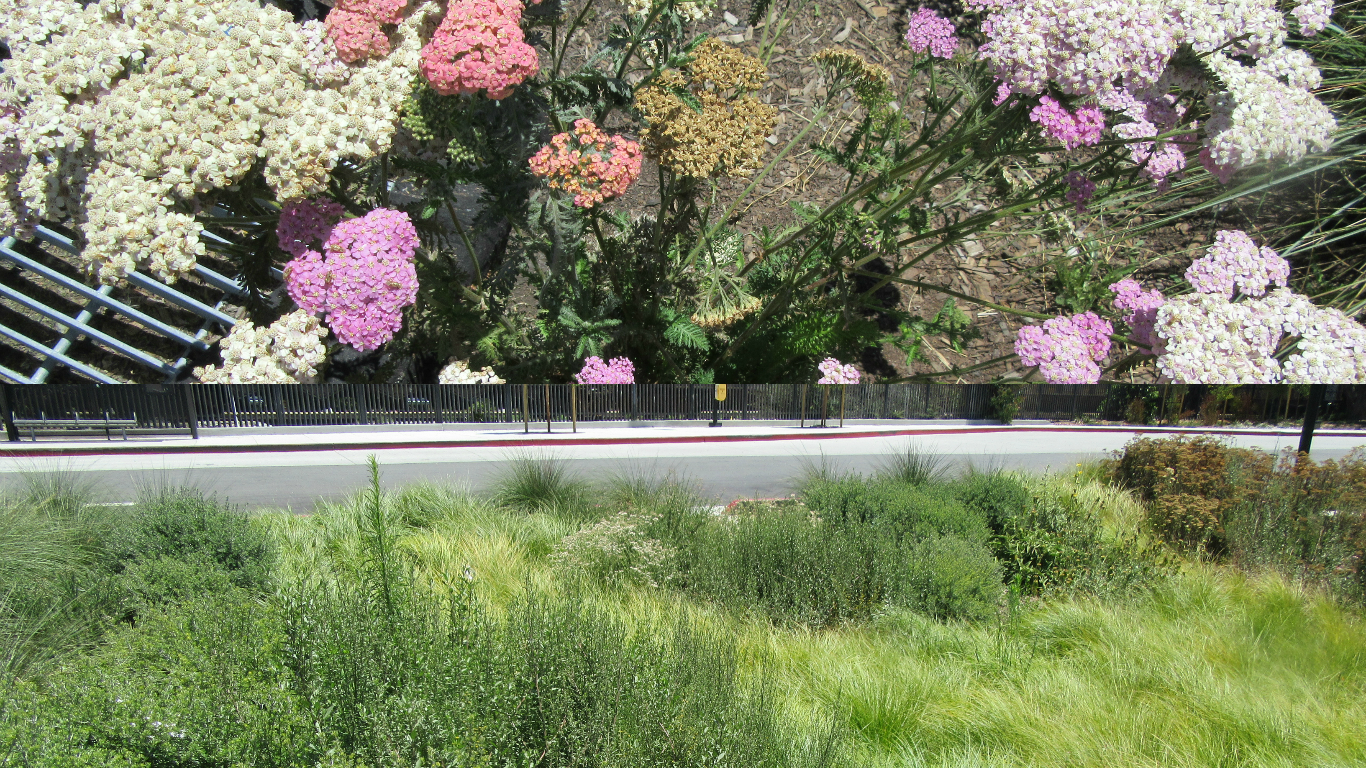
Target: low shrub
902,510
790,567
949,578
185,524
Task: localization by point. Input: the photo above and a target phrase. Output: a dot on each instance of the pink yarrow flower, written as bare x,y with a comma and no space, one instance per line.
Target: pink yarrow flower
306,224
1073,129
355,27
1066,349
619,370
363,280
479,47
1080,190
928,31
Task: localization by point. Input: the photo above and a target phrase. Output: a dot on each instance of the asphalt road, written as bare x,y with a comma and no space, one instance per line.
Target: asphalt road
725,471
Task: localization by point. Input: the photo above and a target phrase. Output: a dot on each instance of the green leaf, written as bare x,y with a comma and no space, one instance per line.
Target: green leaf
684,333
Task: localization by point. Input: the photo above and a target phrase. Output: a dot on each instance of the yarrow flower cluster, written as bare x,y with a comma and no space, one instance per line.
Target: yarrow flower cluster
1140,310
1150,117
14,215
287,352
1080,190
363,281
306,224
458,372
479,47
690,10
355,27
728,135
1119,52
588,164
1207,337
1235,262
619,370
835,372
1073,128
132,114
928,31
1067,350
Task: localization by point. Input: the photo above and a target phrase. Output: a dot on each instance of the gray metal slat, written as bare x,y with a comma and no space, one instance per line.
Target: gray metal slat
93,333
7,251
179,299
14,376
49,352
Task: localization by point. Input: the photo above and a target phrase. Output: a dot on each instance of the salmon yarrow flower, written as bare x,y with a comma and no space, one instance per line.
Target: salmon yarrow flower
588,164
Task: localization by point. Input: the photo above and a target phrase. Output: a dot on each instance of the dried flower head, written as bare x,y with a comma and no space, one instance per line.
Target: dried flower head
702,122
871,83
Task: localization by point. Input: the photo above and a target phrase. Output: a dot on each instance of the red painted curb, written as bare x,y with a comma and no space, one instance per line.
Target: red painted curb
543,442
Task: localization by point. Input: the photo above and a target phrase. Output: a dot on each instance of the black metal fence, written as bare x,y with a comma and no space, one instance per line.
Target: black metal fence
190,407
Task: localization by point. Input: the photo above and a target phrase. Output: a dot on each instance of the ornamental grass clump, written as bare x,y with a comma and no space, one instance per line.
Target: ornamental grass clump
588,164
723,132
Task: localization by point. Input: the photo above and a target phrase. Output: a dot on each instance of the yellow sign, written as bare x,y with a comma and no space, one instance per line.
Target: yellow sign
720,393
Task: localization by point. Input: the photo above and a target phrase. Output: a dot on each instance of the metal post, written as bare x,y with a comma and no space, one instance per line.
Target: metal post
803,424
574,406
635,403
362,412
279,399
526,414
825,403
1311,416
7,411
191,415
547,408
844,390
436,404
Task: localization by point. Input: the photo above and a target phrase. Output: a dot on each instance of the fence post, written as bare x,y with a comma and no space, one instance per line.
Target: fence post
279,399
547,408
1311,416
844,392
526,414
7,408
574,407
362,417
437,412
825,403
191,415
1074,401
803,411
635,403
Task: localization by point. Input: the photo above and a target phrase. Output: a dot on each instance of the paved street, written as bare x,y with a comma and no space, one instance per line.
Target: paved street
295,468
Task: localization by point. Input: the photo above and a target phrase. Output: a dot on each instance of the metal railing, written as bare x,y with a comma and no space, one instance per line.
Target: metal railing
189,407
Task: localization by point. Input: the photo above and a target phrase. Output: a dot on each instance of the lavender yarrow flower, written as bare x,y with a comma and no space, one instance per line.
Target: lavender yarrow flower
1140,308
1312,15
1072,128
837,373
928,31
1235,261
1080,190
